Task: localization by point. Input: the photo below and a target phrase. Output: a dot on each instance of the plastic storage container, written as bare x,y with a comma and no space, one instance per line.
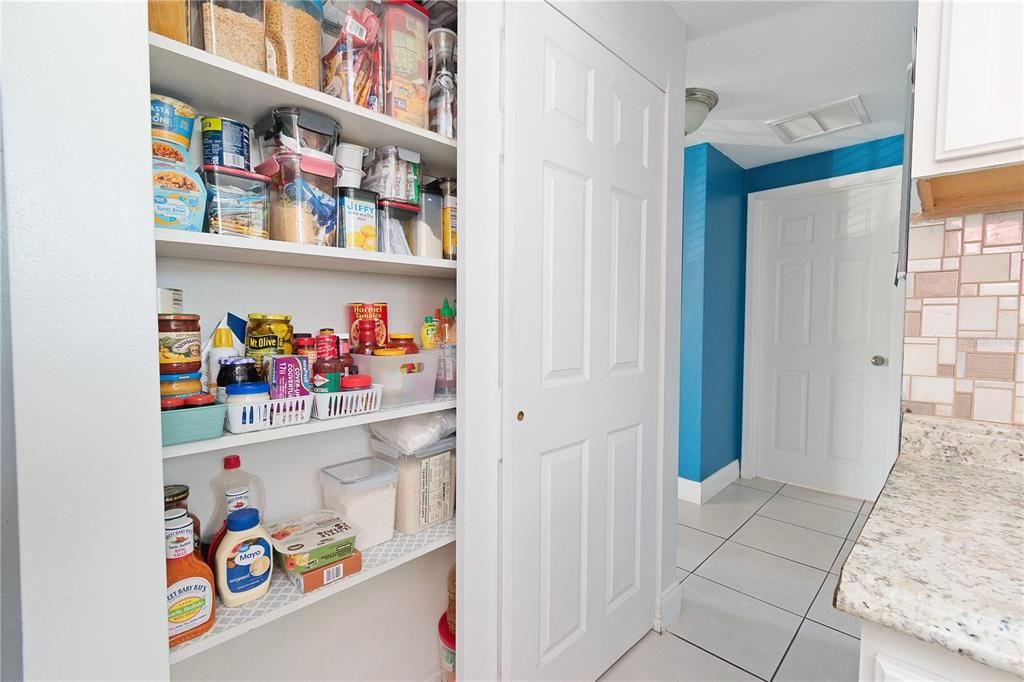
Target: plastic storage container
293,40
191,424
234,29
363,493
246,417
426,483
346,403
394,219
302,204
351,52
405,61
297,130
394,174
238,202
404,379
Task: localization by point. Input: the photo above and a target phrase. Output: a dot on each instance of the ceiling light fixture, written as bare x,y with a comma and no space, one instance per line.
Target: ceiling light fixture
699,103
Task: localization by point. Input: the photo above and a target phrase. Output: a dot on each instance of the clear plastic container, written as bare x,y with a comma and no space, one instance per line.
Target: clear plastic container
235,30
405,61
426,483
302,203
363,493
394,219
288,130
405,379
293,40
352,55
394,174
238,202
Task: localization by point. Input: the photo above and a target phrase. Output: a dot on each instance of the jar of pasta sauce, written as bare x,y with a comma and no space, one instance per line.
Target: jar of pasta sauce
179,346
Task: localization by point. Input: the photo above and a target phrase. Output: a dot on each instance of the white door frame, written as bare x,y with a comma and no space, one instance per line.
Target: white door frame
756,204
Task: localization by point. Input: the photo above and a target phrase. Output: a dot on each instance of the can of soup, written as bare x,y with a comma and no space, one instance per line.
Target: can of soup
225,143
374,311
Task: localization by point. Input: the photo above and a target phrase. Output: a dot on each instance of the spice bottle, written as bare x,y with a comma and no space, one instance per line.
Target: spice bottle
190,602
176,497
367,337
327,368
305,345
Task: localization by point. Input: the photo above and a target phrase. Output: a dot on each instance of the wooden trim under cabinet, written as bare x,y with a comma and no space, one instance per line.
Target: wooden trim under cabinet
981,191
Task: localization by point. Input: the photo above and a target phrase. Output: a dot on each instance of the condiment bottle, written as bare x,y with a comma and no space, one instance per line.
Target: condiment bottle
428,332
223,347
234,499
190,602
305,345
235,371
244,559
446,342
367,337
327,368
176,497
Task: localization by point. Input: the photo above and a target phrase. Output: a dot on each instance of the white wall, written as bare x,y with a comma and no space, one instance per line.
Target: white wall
77,201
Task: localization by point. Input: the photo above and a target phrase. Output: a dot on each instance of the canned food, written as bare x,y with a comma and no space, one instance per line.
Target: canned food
373,311
225,143
171,119
268,334
170,301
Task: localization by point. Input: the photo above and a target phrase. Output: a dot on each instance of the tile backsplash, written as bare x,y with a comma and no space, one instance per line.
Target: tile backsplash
964,322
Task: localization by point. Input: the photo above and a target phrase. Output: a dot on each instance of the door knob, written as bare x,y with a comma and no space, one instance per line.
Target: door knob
878,360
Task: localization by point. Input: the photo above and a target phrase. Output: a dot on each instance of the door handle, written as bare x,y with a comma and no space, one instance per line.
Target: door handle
878,360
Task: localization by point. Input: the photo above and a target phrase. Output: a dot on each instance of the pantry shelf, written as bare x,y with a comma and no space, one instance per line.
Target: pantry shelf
219,87
283,598
231,249
313,426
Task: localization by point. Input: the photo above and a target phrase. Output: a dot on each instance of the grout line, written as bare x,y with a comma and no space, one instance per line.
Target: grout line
816,568
822,504
833,535
825,625
790,646
733,533
780,608
712,653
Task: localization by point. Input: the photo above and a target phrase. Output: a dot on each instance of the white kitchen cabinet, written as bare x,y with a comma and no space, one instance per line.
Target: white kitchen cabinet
890,656
87,264
969,104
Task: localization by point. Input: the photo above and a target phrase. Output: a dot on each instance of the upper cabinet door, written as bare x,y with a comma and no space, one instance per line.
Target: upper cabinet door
970,86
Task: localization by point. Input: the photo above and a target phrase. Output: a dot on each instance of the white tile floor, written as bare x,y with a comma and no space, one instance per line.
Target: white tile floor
759,565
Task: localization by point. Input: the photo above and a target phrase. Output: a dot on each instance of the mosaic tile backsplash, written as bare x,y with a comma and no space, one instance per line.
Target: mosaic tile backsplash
964,319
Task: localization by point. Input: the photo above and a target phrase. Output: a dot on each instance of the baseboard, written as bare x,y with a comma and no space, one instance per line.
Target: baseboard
671,606
699,493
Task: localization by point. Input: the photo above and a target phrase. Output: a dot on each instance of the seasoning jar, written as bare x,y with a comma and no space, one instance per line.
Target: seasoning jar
305,345
268,334
176,497
248,393
179,346
180,385
367,330
405,342
234,371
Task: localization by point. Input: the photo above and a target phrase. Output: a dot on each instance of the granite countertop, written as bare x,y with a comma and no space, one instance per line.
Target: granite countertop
941,558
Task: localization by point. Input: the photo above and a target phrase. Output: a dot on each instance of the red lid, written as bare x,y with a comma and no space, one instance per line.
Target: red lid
409,3
199,399
232,462
172,403
236,172
305,341
444,634
353,381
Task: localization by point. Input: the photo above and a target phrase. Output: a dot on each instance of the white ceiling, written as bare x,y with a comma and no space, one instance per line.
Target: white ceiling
767,60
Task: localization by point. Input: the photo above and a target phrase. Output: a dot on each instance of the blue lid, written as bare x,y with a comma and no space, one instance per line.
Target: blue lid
180,377
248,388
243,519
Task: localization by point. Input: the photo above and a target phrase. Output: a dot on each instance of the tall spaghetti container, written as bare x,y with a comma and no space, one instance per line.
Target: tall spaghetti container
406,24
234,29
293,40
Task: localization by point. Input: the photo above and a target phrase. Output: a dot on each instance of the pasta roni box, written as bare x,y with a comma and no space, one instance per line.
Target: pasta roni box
311,541
318,577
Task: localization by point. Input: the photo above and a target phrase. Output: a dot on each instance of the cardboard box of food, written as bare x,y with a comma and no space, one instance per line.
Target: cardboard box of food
325,575
313,540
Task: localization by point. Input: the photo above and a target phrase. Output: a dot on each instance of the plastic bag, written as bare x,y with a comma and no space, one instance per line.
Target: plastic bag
412,434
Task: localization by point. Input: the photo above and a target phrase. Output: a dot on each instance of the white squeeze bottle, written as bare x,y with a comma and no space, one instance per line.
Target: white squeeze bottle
223,347
234,476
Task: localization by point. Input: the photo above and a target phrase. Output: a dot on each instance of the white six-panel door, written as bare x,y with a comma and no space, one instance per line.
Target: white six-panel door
821,294
579,476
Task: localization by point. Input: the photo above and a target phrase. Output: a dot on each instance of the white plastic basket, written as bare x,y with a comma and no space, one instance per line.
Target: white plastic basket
269,414
347,403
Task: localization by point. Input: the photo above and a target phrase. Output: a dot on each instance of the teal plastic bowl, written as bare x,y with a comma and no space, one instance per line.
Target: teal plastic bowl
193,423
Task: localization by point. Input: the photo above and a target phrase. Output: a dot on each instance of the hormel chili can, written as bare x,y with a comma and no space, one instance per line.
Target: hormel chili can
373,311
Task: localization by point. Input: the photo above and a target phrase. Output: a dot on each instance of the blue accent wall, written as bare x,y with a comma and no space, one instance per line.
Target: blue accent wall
714,272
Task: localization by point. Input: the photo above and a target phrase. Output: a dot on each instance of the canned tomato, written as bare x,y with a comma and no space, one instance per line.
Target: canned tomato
268,334
374,311
171,119
225,143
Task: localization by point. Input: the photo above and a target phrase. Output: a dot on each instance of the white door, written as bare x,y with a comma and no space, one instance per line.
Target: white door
579,472
824,355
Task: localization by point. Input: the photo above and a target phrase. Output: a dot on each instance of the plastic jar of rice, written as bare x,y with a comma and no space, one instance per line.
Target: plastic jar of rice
426,483
363,493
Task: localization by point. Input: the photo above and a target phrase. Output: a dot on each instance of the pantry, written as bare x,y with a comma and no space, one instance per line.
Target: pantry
566,280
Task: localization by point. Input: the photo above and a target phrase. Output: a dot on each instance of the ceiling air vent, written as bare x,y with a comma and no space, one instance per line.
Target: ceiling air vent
840,115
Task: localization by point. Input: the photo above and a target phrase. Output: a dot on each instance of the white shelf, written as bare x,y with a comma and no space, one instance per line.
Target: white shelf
231,249
215,86
283,598
232,440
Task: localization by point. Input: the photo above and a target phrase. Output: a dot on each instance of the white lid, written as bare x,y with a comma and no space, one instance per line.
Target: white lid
359,470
